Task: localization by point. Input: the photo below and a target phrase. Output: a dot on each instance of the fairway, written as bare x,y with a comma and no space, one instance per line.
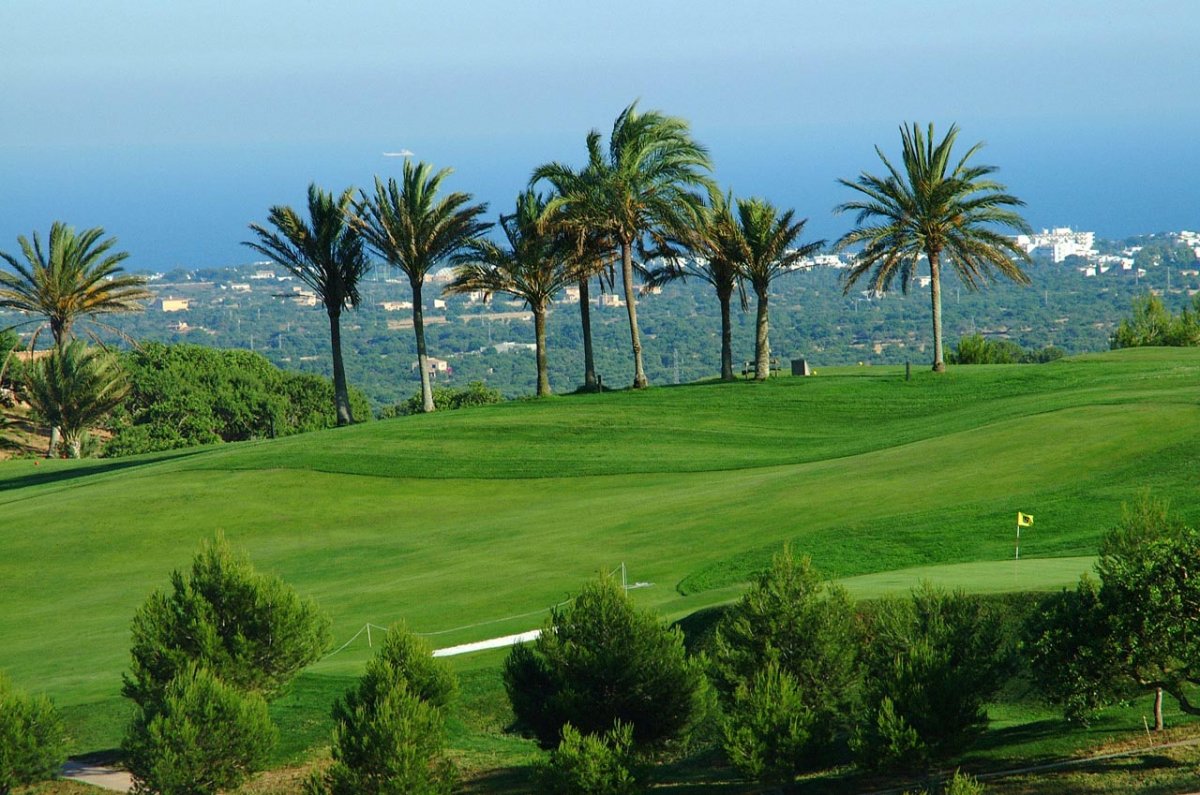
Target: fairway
468,525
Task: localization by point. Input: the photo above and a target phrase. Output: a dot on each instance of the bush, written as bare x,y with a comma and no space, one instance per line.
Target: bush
447,398
250,630
793,622
977,350
600,661
202,737
596,764
1135,633
1152,324
390,730
932,662
31,738
768,729
188,395
958,784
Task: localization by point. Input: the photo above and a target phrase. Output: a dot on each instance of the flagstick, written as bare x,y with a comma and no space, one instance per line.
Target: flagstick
1017,556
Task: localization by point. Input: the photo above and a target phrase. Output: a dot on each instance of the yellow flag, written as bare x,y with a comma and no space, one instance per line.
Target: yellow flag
1024,519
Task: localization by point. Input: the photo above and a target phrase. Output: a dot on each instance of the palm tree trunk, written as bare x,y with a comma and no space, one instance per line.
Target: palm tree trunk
75,447
762,345
1158,709
341,394
726,336
935,297
55,439
539,334
639,374
585,317
422,356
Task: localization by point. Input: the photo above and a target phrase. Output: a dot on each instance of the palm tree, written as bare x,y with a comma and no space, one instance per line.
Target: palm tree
590,250
73,276
714,256
641,185
414,231
937,210
327,256
532,267
73,389
764,240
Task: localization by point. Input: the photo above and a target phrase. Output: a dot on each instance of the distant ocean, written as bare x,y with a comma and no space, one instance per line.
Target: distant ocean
190,205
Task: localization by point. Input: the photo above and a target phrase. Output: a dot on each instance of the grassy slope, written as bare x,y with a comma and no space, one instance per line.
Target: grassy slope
458,519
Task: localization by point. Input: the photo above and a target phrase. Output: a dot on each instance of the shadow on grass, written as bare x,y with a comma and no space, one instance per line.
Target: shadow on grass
43,476
503,781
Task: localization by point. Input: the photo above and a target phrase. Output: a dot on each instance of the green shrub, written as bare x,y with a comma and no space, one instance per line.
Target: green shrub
31,738
389,731
768,728
792,621
958,784
188,395
446,398
591,764
975,349
1152,324
600,661
251,630
202,737
932,662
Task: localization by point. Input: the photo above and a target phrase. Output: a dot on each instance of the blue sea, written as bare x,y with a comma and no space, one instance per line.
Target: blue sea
189,205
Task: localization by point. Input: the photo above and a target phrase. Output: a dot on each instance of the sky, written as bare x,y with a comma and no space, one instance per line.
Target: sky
174,125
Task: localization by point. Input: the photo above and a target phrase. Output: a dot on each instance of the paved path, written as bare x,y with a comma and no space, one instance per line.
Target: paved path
492,643
103,777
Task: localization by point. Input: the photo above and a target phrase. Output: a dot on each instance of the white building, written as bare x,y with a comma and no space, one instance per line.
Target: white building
1062,242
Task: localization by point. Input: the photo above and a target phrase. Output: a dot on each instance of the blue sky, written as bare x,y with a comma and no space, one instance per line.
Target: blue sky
174,125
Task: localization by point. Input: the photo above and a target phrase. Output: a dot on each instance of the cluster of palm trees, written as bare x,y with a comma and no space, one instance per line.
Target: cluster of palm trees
645,203
71,277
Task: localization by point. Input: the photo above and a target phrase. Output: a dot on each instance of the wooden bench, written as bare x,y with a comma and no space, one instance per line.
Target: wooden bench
749,369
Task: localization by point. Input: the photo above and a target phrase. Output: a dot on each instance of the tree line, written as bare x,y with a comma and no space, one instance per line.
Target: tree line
644,204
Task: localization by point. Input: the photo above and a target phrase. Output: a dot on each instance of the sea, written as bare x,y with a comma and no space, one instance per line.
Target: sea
189,205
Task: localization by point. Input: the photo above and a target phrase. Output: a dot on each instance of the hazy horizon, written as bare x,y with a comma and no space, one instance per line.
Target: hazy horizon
175,127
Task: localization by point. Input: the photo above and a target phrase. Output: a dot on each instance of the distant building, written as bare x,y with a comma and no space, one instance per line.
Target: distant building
174,304
262,275
439,303
299,296
239,287
436,367
509,347
611,300
395,306
1061,242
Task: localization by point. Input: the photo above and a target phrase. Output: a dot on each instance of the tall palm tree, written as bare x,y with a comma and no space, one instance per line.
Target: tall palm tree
713,255
414,230
642,184
590,250
532,267
936,209
328,256
73,389
764,240
72,276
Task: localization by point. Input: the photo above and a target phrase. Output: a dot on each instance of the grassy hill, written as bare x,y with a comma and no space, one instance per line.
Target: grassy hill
469,524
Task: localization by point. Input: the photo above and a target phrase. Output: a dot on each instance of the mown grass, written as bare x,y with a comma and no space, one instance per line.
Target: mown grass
470,524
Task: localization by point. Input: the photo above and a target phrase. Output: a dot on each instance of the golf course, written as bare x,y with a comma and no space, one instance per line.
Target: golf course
469,525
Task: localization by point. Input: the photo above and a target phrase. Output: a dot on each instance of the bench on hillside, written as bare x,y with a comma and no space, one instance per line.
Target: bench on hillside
749,368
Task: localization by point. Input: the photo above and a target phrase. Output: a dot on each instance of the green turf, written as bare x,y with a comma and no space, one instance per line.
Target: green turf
469,524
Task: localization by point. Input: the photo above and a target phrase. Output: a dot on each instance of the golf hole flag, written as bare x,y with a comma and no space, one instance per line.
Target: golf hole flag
1023,520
